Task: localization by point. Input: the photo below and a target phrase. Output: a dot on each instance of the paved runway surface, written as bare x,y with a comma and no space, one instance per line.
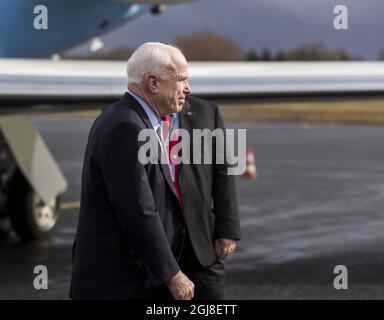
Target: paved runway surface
318,202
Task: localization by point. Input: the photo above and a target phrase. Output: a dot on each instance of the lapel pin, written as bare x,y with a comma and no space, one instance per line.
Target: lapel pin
189,113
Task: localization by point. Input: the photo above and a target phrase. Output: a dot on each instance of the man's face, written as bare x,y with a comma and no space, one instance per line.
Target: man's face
174,88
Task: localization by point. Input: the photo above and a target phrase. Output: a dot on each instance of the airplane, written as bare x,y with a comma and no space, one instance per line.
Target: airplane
31,181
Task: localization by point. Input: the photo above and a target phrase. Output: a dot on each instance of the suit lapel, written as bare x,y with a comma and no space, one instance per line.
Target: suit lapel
185,122
134,104
185,117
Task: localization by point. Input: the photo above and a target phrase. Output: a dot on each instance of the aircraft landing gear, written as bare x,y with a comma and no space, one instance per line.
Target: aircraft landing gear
30,180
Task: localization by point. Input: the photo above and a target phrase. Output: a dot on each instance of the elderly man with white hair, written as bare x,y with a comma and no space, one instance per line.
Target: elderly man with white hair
130,228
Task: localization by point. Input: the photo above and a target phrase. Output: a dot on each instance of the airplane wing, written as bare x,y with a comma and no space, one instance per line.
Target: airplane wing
31,82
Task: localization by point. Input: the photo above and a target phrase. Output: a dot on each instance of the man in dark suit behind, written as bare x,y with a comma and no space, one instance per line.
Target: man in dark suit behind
208,198
131,229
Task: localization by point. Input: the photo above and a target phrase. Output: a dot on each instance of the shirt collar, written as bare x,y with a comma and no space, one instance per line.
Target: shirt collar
153,118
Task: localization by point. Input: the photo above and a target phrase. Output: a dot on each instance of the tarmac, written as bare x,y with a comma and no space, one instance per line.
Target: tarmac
317,203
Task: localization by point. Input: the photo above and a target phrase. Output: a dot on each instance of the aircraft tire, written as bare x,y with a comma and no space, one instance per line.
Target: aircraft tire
30,217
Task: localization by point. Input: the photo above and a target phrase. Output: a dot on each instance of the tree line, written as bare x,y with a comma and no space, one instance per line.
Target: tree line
207,46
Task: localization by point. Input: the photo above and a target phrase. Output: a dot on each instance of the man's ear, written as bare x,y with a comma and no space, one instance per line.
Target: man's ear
152,83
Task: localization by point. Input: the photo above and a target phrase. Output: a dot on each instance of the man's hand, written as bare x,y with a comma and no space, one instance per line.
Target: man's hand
181,287
224,247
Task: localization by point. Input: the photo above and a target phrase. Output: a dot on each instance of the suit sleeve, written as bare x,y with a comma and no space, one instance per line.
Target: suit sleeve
131,197
224,195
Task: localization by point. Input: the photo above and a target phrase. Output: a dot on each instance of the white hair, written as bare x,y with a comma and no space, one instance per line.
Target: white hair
150,57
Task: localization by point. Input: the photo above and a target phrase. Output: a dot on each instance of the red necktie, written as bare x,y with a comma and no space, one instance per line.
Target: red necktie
170,141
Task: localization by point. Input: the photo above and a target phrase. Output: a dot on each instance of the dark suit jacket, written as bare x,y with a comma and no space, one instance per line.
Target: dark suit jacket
130,229
208,193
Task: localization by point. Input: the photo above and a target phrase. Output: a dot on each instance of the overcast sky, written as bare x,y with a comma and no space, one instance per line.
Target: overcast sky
258,24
